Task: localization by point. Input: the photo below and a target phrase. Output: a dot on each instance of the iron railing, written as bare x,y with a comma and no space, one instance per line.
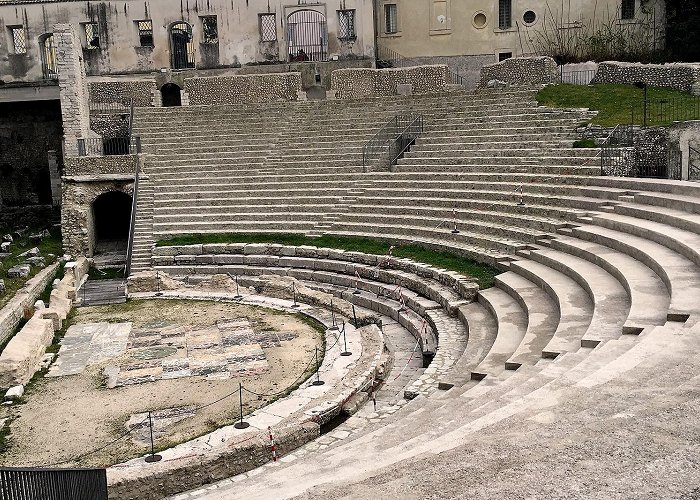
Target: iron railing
392,140
387,58
628,152
132,221
693,164
53,484
654,112
578,77
102,146
111,108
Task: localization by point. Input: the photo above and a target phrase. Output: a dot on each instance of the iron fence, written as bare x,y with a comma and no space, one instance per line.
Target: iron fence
392,140
580,77
53,484
101,146
122,107
652,112
633,152
693,164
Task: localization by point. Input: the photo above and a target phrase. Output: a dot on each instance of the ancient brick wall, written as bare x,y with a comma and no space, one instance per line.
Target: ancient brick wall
236,89
359,82
521,71
141,91
100,165
683,77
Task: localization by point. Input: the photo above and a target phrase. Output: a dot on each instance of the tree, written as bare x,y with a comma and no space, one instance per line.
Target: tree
682,30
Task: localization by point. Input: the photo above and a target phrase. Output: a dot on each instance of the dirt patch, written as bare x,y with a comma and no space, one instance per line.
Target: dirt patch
65,417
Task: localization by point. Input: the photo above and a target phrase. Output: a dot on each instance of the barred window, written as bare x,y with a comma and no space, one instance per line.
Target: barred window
390,18
627,9
210,30
502,56
19,39
505,14
268,27
346,25
92,36
145,33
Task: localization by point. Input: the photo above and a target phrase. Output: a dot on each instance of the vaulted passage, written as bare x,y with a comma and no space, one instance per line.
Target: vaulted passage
111,215
170,93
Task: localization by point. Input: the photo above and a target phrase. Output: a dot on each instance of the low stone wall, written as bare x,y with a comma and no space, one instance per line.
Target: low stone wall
99,165
160,480
521,71
141,91
683,77
237,89
359,82
13,312
20,358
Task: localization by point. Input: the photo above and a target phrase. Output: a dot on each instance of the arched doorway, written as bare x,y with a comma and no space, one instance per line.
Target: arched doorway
48,57
181,46
170,95
111,215
307,36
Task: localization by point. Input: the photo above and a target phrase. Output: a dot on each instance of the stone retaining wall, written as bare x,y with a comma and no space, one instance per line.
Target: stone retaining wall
683,77
521,71
141,91
99,165
237,89
359,82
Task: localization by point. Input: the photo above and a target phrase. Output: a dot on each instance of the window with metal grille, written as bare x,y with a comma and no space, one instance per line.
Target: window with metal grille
505,14
145,33
346,25
390,18
627,9
268,27
19,39
502,56
210,30
48,57
92,36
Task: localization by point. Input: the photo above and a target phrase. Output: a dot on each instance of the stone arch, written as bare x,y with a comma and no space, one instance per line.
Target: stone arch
111,220
171,94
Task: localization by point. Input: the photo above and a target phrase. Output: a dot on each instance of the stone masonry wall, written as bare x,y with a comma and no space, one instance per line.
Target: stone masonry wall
237,89
521,71
141,91
77,222
359,82
683,77
100,165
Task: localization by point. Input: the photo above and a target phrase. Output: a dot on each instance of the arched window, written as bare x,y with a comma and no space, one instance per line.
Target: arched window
48,57
181,46
307,36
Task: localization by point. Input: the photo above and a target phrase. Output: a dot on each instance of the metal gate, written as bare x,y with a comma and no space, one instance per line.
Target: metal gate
307,36
693,164
182,46
48,58
53,484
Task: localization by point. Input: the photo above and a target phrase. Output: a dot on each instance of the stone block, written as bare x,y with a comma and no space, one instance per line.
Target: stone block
32,252
163,260
36,261
288,251
18,271
166,251
14,392
228,259
185,259
7,237
39,304
404,89
5,246
2,287
19,360
307,251
255,249
204,259
216,248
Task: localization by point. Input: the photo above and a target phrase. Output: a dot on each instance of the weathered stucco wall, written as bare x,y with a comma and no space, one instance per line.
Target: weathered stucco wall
243,88
521,71
683,77
357,83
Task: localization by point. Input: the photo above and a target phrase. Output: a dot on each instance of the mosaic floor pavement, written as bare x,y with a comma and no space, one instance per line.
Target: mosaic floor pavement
165,350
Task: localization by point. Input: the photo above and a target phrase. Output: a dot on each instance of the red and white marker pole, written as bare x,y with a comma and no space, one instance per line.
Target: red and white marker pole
357,282
454,222
272,445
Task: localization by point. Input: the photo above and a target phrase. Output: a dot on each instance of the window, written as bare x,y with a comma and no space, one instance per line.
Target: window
504,14
627,9
502,56
346,25
49,67
529,17
92,36
390,18
145,33
210,30
268,27
19,39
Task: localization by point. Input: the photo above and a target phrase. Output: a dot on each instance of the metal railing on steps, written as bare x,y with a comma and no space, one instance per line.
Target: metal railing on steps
393,140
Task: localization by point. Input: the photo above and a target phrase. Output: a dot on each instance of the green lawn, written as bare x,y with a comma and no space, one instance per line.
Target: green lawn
615,102
482,273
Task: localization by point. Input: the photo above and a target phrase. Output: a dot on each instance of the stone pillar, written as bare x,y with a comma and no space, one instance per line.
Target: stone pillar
55,178
73,87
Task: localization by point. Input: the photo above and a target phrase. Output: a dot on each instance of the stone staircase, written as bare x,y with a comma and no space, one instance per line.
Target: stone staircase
586,346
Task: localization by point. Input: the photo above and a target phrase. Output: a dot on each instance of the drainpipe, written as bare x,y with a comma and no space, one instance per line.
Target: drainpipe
376,32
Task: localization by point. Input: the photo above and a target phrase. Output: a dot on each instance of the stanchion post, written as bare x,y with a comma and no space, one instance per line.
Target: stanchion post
521,203
318,380
152,457
334,325
158,292
238,295
345,343
294,296
241,424
354,315
357,282
454,222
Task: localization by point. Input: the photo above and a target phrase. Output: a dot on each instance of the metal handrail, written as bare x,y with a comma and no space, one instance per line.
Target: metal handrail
132,222
386,139
388,58
407,138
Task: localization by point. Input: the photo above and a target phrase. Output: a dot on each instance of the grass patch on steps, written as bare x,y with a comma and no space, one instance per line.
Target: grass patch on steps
483,273
614,103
